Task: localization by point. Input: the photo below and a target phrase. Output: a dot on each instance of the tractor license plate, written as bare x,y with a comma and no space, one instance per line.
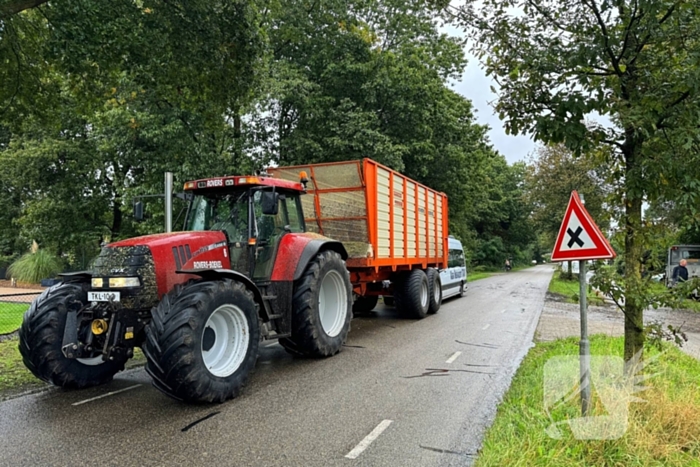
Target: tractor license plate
103,296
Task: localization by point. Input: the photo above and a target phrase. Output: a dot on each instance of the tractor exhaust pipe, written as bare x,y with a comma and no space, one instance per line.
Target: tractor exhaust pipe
168,201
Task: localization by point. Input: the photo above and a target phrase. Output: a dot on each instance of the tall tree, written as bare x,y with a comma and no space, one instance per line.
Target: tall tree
553,173
633,61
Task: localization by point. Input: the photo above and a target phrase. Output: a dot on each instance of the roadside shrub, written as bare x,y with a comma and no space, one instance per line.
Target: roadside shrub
34,266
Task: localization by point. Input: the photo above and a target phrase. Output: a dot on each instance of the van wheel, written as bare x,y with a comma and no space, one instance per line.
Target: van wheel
462,289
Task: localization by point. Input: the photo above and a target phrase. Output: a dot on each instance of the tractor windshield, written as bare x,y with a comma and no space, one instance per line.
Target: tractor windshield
227,212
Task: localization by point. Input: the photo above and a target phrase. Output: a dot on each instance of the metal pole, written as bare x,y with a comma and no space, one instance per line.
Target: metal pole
584,345
168,201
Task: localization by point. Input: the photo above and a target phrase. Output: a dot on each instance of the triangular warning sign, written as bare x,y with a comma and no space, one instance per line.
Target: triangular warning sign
579,237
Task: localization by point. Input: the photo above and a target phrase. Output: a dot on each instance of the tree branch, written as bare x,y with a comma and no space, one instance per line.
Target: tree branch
606,38
12,7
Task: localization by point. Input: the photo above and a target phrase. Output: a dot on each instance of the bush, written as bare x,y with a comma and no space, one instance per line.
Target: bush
35,266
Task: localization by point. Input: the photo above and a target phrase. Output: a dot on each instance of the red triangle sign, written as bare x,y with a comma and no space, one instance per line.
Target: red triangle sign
579,237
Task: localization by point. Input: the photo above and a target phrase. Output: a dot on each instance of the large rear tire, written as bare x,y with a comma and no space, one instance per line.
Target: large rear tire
364,305
202,341
322,308
41,339
411,294
434,291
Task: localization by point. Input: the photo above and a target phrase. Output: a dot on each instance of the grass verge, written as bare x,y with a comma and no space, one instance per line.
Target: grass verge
14,376
475,276
570,289
665,431
11,316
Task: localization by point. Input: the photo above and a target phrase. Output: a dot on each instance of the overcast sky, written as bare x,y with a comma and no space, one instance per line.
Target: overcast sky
475,86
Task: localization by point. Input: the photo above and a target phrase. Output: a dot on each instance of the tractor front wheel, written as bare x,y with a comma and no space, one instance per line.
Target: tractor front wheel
41,339
202,341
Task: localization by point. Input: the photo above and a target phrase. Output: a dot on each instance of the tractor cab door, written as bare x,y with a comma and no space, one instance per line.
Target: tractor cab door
271,227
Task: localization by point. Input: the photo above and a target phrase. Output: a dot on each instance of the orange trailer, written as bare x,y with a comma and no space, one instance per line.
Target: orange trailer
388,223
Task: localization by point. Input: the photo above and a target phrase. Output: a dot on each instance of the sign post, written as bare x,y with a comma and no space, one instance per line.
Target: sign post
580,239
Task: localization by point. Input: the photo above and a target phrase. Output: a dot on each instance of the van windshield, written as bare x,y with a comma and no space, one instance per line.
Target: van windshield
692,256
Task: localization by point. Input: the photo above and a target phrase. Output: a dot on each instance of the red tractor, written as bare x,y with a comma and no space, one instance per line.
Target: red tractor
199,302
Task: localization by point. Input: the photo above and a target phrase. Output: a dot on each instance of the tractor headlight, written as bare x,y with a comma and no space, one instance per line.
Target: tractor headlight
121,282
97,282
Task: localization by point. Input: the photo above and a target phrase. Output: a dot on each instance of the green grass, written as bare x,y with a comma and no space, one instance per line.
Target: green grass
475,276
570,289
13,374
11,316
665,431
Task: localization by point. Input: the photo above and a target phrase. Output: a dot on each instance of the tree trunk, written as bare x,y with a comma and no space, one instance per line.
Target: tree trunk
116,217
634,307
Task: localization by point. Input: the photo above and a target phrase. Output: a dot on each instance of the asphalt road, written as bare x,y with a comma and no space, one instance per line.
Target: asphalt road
427,390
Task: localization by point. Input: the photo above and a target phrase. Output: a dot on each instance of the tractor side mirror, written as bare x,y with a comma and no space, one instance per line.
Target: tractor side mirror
270,203
138,211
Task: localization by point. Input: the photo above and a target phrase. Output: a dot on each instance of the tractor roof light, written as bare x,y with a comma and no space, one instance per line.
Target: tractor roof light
248,180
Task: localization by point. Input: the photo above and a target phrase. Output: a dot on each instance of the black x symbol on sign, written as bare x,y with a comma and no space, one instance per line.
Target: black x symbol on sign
574,237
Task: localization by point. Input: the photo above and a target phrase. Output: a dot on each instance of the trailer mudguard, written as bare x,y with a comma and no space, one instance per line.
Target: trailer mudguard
297,249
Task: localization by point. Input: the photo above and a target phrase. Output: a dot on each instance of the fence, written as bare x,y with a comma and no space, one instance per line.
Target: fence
12,307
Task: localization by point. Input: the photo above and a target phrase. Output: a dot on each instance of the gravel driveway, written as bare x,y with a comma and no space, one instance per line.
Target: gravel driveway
560,320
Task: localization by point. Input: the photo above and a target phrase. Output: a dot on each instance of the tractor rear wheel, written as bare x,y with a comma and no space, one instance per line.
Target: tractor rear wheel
202,341
434,292
41,339
364,305
322,308
411,294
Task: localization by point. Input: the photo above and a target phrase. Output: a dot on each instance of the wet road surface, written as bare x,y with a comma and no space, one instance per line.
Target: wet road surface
401,393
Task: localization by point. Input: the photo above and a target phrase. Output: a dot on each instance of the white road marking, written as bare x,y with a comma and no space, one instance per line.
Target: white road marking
364,444
106,395
453,357
485,327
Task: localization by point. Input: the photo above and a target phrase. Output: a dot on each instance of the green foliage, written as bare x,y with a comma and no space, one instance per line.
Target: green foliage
99,100
559,64
552,174
35,266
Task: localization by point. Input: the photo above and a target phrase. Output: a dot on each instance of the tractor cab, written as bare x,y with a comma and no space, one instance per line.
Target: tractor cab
252,212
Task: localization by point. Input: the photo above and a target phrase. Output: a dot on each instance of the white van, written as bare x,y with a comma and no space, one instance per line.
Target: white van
454,278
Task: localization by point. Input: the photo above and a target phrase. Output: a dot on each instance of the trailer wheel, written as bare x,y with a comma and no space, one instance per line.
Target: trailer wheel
412,293
435,291
322,308
388,301
41,339
202,341
364,305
